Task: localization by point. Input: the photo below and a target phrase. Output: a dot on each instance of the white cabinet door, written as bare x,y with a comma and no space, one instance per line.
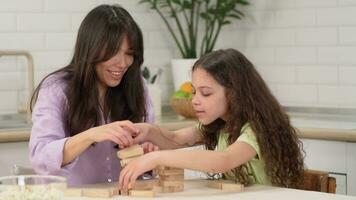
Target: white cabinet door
341,182
325,155
335,157
351,169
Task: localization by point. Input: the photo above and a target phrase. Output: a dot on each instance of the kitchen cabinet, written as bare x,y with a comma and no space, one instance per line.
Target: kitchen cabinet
336,157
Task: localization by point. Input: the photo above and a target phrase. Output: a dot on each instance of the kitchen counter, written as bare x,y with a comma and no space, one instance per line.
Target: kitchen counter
196,189
323,126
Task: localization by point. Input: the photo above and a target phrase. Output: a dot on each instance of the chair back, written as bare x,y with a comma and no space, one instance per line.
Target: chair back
319,181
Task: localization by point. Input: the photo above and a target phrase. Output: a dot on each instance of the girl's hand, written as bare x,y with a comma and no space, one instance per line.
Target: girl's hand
144,129
136,168
120,132
149,147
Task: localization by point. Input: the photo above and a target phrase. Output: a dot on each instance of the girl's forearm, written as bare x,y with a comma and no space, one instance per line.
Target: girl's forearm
203,160
163,138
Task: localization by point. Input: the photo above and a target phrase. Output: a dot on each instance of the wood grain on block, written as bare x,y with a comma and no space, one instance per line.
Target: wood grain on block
97,192
217,184
73,192
124,193
171,183
142,193
135,150
114,191
124,162
157,189
232,187
145,184
171,172
171,189
162,168
179,177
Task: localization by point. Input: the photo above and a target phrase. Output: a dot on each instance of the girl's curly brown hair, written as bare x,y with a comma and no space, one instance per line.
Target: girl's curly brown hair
250,101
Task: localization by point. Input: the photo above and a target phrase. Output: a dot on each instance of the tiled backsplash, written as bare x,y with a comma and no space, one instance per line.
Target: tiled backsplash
305,49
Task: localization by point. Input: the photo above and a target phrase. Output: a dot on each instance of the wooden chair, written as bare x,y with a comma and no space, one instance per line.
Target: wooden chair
319,181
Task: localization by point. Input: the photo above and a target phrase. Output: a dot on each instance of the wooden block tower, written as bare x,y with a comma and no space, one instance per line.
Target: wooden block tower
126,155
171,179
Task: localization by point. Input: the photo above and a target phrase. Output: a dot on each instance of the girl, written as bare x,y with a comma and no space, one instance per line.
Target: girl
80,111
246,134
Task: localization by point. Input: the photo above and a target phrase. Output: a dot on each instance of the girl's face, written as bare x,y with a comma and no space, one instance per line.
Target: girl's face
209,101
111,71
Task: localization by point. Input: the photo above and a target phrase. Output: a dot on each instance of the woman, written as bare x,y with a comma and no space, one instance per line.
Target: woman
82,111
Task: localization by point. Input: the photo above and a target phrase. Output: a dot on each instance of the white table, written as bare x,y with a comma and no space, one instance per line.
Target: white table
196,189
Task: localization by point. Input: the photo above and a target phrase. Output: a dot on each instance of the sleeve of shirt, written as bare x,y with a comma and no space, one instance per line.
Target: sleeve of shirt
48,135
248,136
150,118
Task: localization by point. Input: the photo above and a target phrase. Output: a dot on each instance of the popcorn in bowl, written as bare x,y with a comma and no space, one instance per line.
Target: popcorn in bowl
32,187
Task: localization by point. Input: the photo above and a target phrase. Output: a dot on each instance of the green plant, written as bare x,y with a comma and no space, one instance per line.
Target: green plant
187,15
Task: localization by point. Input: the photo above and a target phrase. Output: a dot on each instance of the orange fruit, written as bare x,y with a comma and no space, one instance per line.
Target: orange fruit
187,87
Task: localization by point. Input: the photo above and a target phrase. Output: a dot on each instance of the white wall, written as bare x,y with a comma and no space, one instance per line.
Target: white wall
305,49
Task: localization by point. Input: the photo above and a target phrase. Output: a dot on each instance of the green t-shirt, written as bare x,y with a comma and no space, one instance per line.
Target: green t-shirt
255,166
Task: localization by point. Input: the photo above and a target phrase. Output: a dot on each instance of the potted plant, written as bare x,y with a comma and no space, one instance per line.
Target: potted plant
183,19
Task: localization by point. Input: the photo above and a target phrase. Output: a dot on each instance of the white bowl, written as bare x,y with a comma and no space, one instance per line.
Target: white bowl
32,187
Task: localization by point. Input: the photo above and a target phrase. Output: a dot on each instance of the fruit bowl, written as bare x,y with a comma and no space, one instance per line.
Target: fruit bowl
183,107
32,187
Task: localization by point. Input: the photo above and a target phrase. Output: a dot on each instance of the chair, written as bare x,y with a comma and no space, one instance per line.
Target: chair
319,181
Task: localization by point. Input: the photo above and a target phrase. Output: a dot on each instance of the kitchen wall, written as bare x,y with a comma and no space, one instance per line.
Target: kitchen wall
305,49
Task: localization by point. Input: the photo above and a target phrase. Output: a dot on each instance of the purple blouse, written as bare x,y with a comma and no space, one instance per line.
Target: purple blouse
97,164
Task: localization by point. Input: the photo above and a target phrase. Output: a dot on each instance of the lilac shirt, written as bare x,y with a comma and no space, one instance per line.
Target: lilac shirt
96,164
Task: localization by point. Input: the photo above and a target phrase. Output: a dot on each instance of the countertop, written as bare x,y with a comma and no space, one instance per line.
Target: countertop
197,189
329,125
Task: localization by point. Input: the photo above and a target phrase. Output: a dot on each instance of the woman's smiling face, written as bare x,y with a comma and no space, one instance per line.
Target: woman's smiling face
111,71
209,101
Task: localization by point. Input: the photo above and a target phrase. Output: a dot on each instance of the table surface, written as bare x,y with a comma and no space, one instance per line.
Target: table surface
197,189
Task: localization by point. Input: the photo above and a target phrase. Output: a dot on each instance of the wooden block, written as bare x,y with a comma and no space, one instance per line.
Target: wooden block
171,183
145,184
171,172
162,168
135,150
124,162
73,192
122,193
232,187
114,191
97,192
179,177
171,189
142,193
217,184
157,189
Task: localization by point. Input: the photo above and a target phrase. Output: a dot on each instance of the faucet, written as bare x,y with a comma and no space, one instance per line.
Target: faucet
30,75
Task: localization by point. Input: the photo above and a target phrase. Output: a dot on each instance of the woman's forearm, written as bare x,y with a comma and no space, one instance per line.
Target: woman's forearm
76,145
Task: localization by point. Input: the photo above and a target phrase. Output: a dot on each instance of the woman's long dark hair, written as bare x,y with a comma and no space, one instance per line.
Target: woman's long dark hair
99,38
250,101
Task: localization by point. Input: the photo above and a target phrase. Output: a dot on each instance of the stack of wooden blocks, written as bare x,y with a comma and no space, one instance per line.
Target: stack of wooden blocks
170,179
126,155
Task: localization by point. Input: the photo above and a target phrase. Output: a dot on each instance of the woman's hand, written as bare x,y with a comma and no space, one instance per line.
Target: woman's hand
149,147
136,168
120,132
